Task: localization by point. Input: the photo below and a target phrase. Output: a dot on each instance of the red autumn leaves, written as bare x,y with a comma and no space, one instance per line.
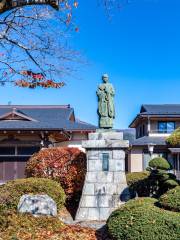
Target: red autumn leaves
64,165
34,80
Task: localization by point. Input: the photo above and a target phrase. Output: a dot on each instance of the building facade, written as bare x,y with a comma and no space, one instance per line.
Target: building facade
24,130
153,125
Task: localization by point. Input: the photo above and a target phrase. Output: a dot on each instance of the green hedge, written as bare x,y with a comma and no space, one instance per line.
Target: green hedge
11,192
138,182
171,200
141,220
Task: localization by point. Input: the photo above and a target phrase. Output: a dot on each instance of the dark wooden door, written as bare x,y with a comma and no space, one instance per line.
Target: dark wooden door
12,168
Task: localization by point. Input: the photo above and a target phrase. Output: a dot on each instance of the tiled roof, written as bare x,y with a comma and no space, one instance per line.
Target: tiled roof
161,109
143,141
157,110
50,117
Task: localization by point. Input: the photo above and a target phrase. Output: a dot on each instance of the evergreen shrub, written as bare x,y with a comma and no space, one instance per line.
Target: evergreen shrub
141,219
11,192
171,199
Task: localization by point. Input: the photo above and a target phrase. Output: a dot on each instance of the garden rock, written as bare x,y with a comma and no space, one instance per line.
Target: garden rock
37,205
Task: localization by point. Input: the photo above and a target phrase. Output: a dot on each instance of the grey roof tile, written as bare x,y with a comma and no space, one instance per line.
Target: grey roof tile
160,109
48,117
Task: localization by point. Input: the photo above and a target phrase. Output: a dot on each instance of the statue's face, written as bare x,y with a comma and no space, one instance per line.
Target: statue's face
105,79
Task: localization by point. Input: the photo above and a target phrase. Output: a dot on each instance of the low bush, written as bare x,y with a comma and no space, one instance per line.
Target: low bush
141,219
15,226
24,226
171,199
64,165
11,192
138,183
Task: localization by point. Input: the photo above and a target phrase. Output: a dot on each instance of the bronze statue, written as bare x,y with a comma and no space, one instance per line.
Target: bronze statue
106,109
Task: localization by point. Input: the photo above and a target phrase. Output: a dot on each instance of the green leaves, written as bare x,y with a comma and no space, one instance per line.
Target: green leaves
174,139
171,199
141,220
160,163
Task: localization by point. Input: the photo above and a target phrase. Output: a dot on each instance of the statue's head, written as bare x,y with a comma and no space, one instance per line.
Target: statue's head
105,78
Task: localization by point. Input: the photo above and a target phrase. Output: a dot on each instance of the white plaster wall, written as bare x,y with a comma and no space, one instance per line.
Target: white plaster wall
135,160
75,144
76,141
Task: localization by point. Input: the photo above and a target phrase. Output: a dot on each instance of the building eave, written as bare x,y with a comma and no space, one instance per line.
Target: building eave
134,123
146,140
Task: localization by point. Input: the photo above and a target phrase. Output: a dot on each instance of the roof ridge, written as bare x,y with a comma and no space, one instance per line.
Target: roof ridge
163,104
36,106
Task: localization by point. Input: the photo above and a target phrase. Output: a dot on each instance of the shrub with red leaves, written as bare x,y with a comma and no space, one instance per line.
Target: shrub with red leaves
62,164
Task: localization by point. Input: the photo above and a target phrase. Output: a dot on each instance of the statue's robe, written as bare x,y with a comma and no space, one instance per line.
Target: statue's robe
103,105
106,107
110,100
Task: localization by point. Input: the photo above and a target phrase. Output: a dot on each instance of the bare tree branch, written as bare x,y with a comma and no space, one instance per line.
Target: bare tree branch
34,46
34,49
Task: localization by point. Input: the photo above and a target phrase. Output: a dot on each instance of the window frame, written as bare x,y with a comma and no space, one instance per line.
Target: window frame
165,130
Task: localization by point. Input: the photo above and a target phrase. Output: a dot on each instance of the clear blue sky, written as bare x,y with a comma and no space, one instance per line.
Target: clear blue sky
139,49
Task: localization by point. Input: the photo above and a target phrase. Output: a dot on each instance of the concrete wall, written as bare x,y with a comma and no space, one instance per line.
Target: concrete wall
135,160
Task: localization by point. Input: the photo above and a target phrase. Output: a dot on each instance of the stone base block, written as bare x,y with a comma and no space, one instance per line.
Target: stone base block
109,135
94,214
104,190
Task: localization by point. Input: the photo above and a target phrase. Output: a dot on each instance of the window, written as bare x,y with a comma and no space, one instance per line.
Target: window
143,130
7,150
27,150
105,162
166,127
140,131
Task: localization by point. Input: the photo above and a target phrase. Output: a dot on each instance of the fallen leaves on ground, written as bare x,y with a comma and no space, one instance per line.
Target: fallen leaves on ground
64,233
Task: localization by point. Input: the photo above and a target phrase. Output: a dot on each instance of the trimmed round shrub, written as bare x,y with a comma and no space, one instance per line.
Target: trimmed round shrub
138,183
174,138
11,192
161,180
65,165
160,163
171,199
140,219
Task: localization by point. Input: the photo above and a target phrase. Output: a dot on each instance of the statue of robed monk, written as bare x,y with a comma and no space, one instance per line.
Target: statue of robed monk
106,109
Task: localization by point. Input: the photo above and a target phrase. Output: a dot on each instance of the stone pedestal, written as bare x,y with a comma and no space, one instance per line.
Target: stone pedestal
105,185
